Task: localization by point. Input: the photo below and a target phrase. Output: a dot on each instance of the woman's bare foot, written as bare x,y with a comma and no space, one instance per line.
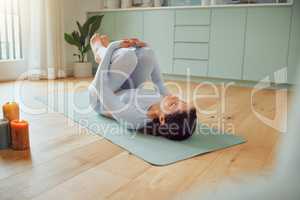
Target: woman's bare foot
105,40
94,42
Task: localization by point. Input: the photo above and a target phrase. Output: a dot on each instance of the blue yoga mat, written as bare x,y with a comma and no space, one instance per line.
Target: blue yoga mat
154,150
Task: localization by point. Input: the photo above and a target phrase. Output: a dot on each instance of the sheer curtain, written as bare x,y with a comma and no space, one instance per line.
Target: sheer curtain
45,39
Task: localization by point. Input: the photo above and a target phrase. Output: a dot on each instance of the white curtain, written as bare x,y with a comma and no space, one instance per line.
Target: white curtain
45,39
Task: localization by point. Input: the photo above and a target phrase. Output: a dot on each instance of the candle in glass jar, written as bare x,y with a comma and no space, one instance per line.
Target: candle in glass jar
4,134
11,111
20,135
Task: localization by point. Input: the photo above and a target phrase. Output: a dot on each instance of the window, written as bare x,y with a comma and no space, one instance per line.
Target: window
10,30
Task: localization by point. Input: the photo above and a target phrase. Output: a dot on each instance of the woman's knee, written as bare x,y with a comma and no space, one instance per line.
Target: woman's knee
125,56
125,62
122,65
129,57
146,53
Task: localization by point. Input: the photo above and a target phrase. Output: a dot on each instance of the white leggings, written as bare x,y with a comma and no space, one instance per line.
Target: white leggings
130,68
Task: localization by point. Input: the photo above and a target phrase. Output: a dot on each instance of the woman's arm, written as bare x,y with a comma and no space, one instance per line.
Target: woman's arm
158,80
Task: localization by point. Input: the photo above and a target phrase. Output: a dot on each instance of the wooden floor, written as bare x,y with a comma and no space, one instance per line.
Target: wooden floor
64,164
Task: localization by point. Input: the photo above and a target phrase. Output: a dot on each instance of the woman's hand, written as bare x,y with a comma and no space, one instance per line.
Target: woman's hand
141,44
134,42
126,43
170,100
138,42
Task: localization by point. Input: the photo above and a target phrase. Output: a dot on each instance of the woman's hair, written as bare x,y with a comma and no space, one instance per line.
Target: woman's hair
178,126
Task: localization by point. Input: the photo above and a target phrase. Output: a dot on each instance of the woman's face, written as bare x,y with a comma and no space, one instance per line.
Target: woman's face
172,104
169,105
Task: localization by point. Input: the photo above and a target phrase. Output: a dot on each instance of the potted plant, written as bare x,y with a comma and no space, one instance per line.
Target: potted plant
81,39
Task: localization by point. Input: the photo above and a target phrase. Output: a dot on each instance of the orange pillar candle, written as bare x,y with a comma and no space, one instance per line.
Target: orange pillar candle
11,111
20,135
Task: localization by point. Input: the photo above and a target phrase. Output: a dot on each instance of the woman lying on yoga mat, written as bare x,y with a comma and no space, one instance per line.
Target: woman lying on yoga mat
116,91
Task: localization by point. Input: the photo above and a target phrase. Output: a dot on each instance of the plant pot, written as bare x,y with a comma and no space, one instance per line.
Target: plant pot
82,70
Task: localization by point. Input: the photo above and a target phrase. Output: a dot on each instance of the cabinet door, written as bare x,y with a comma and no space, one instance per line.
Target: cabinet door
159,33
129,25
227,43
267,40
108,25
192,17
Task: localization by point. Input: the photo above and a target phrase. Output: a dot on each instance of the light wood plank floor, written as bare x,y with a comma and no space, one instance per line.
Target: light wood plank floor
64,164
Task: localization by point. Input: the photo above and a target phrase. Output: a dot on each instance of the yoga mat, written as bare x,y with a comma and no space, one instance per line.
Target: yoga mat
154,150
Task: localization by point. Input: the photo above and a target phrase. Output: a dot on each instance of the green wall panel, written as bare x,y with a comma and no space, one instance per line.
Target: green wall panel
129,25
108,25
158,32
294,52
267,37
227,43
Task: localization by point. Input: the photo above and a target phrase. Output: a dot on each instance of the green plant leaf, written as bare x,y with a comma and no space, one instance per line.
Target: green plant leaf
76,36
88,23
69,39
80,28
86,48
85,32
96,25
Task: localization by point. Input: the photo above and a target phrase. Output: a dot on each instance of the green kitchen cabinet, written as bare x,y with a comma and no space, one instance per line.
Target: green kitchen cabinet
158,32
192,17
108,25
294,52
192,34
241,43
197,51
129,25
190,67
227,43
267,38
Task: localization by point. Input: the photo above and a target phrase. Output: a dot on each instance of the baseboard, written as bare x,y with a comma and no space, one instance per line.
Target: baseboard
69,71
218,81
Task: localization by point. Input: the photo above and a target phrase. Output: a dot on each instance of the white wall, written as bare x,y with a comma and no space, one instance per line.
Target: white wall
70,10
74,10
11,71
